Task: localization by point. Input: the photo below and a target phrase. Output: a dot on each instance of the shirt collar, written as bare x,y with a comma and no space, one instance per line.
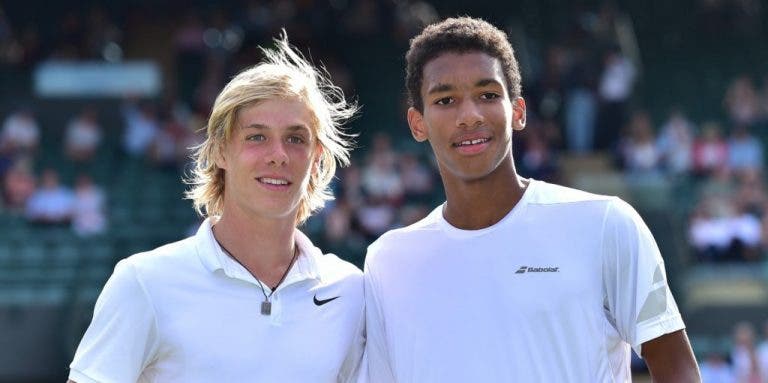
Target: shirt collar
214,258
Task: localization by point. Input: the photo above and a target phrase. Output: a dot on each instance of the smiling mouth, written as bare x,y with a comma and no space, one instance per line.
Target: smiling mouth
476,141
273,181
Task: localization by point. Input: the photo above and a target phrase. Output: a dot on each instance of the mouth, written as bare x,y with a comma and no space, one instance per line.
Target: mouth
274,182
476,141
472,146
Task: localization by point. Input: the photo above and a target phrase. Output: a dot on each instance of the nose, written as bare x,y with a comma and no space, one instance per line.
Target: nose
277,155
469,114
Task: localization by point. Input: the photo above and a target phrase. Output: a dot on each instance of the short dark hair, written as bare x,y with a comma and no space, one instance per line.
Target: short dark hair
461,35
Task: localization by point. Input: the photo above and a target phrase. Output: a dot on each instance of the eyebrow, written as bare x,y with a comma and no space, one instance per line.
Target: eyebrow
486,82
292,128
439,88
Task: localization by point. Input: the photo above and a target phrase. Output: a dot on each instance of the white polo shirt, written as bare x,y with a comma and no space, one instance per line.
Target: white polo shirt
557,291
187,312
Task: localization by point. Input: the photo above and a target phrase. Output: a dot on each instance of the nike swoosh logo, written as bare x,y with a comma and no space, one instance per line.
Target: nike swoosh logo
319,302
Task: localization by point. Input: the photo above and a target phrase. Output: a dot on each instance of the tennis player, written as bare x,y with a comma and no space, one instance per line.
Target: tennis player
248,298
511,279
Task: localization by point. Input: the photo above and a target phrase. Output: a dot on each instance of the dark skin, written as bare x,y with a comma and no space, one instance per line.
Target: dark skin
468,118
670,358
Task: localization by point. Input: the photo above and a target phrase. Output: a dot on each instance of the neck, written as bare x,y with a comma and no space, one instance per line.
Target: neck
263,246
480,203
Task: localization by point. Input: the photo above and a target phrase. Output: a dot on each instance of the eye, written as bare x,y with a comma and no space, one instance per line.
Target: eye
489,96
295,140
255,137
444,101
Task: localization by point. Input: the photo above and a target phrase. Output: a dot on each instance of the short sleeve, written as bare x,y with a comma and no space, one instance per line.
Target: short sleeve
637,298
378,363
122,337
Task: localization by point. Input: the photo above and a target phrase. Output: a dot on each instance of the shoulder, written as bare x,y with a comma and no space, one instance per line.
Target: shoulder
545,193
405,237
331,266
162,261
556,202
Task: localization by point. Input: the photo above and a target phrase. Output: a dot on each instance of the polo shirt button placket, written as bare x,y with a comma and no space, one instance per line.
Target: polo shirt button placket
277,311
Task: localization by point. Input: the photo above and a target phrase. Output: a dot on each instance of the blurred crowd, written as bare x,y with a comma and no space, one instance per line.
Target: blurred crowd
747,361
581,99
158,139
581,85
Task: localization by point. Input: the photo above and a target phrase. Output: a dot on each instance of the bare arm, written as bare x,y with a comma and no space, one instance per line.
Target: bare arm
670,359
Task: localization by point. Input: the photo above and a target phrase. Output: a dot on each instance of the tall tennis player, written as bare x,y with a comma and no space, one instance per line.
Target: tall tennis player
511,279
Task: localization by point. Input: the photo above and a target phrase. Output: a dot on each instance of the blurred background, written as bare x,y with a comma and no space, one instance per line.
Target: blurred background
664,103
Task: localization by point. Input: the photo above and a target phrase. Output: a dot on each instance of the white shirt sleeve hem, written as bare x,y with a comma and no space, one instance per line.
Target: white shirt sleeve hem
79,377
652,330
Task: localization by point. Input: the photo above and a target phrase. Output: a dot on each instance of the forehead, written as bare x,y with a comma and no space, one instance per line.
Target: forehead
461,69
276,113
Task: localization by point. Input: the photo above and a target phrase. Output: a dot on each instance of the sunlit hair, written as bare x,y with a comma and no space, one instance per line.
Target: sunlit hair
283,74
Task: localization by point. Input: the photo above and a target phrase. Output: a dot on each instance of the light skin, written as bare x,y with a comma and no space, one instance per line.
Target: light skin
468,118
271,142
267,163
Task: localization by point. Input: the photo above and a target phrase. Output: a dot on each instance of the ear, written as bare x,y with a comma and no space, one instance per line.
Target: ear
219,159
518,114
416,123
316,157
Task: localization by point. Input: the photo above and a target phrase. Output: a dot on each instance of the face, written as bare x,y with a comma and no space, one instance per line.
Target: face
468,117
268,159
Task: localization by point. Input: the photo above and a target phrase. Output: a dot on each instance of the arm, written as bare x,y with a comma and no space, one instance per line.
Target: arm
670,358
639,300
122,338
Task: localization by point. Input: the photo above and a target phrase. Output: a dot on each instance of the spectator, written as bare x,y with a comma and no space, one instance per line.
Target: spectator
351,186
20,133
83,136
52,203
615,88
380,177
710,151
751,195
6,161
141,127
538,159
742,102
744,355
88,210
709,234
745,152
417,179
580,103
339,235
169,147
375,217
638,150
762,352
675,143
381,180
714,369
18,186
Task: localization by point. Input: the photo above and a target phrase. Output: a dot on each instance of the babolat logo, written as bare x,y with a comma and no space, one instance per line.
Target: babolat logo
526,269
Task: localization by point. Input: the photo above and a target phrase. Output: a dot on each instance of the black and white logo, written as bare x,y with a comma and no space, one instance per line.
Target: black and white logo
529,269
320,302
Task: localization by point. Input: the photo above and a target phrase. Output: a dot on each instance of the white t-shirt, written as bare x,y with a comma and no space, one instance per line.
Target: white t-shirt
187,312
557,291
